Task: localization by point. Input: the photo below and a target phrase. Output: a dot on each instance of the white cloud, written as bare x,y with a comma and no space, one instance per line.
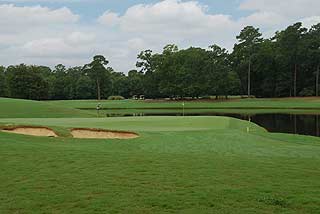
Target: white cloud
288,8
78,38
109,18
172,21
310,21
41,35
169,16
264,19
76,44
37,15
275,13
30,34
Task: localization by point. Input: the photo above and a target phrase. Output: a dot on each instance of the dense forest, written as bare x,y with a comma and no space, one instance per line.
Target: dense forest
285,65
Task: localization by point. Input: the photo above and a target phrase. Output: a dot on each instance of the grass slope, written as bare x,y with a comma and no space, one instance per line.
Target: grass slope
178,165
11,108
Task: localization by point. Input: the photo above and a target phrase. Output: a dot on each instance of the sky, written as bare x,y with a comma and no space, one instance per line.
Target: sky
71,32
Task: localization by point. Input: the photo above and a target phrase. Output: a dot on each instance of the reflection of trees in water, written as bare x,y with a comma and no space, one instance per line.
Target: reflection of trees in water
286,123
317,125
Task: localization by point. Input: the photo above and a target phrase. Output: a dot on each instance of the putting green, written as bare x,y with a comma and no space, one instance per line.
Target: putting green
141,124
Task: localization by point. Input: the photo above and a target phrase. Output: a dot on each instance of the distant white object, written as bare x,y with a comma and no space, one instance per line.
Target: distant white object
99,106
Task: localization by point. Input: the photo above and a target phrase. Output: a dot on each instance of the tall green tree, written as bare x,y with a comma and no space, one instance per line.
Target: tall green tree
135,83
26,82
147,63
84,88
144,62
120,84
3,82
243,54
314,50
291,43
59,84
218,71
267,70
96,70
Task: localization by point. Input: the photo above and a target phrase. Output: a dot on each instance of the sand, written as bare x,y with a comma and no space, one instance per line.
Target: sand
102,134
33,131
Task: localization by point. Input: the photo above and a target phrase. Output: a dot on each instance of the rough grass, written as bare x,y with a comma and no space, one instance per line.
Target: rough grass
178,165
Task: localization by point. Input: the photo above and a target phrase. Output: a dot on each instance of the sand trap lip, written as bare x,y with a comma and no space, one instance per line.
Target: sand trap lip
86,133
32,131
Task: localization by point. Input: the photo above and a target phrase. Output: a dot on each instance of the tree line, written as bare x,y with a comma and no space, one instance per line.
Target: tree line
285,65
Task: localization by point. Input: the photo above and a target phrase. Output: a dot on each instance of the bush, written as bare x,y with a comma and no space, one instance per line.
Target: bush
206,97
307,92
116,98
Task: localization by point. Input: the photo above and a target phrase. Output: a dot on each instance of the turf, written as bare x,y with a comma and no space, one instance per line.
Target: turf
177,165
281,103
26,108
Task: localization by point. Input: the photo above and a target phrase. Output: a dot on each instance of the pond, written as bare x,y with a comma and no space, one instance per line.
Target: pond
303,124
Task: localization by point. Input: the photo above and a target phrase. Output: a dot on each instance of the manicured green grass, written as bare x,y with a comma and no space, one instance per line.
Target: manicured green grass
284,103
10,108
177,165
140,124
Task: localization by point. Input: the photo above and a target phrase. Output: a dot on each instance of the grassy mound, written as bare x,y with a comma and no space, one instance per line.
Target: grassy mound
17,108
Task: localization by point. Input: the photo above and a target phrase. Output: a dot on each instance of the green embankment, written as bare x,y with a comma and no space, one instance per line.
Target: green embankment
18,108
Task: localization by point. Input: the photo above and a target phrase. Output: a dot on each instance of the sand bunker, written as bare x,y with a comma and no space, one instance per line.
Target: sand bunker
33,131
102,134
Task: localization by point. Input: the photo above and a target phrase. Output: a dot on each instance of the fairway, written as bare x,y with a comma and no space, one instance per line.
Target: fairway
266,104
176,165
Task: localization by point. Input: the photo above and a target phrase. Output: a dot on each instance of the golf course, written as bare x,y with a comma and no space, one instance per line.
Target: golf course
167,164
160,107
